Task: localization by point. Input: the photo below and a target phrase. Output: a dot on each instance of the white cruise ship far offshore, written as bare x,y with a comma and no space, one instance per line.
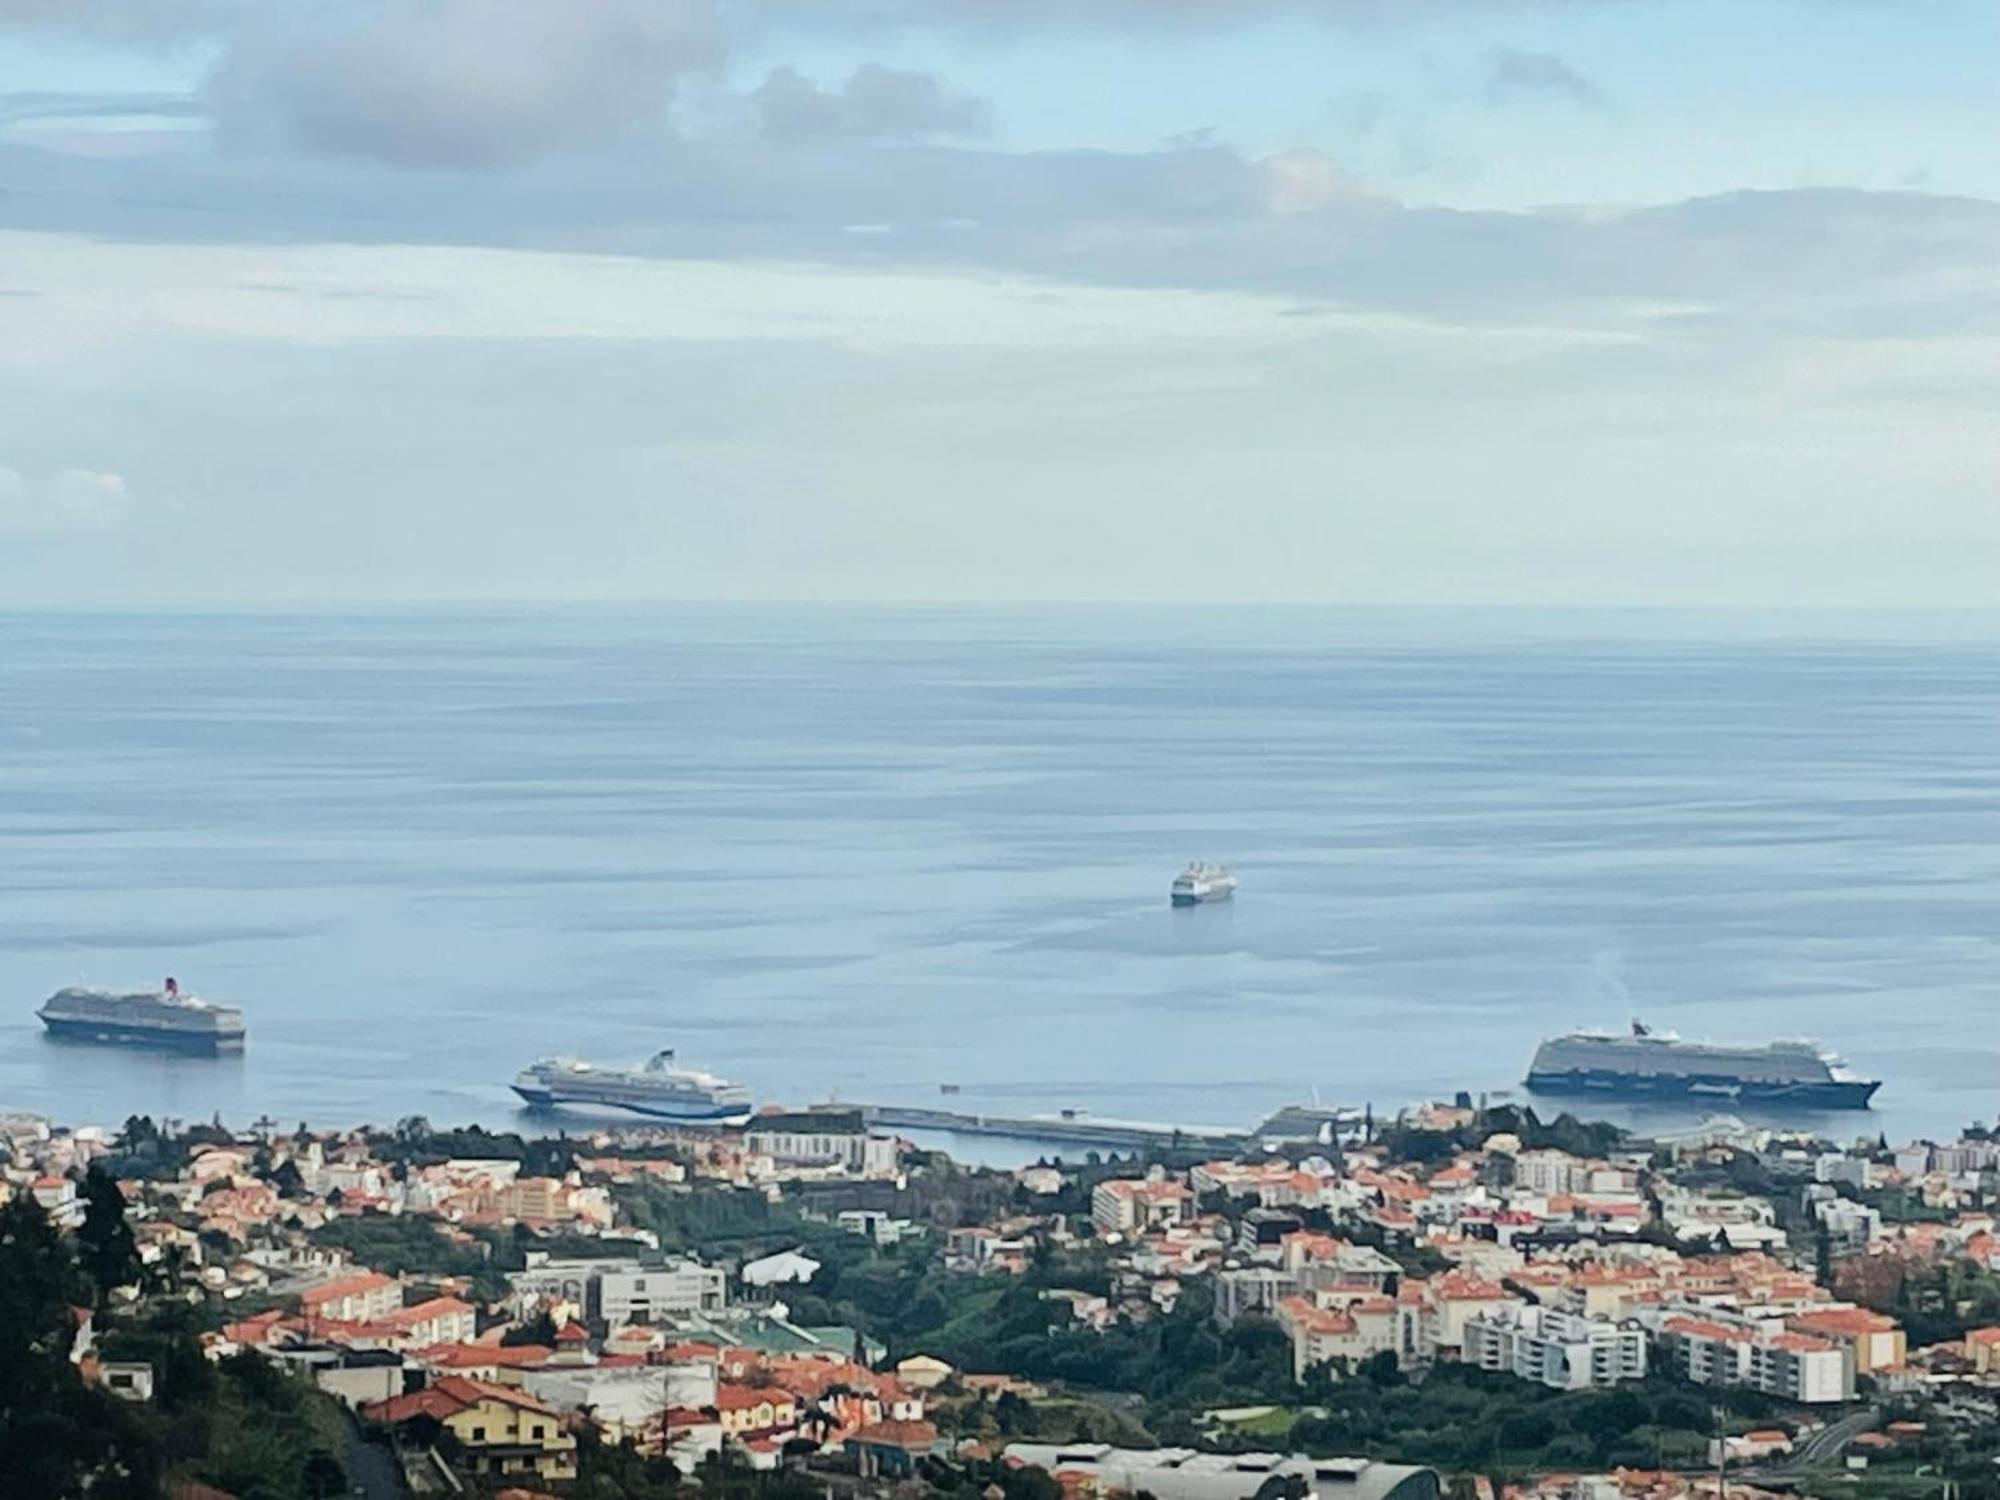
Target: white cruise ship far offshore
1201,882
661,1090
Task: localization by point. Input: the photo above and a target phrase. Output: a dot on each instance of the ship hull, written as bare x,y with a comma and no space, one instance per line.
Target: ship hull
125,1034
541,1097
1826,1094
1203,898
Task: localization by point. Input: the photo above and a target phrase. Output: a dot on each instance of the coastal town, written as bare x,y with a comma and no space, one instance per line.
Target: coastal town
1458,1300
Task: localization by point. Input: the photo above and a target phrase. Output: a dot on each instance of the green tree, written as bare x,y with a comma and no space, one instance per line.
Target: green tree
38,1284
57,1436
540,1329
321,1477
104,1242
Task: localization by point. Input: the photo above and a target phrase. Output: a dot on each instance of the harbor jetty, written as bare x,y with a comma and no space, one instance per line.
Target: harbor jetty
1076,1127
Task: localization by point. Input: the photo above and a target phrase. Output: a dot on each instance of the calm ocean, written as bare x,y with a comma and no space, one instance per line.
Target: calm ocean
865,852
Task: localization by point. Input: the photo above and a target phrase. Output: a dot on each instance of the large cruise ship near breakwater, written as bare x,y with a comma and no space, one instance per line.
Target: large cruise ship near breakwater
661,1090
165,1017
1648,1065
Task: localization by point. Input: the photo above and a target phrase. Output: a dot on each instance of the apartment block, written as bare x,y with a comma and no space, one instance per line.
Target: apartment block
1561,1350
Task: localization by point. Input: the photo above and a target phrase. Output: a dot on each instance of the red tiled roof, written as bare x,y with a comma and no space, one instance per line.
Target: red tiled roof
1463,1286
1702,1328
481,1356
1843,1320
689,1349
750,1397
915,1437
356,1284
451,1394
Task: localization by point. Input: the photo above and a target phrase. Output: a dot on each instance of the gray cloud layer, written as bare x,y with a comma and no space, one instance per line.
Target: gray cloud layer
460,82
876,103
544,126
1512,73
1207,218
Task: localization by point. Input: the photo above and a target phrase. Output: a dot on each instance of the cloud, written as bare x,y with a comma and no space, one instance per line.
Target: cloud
72,500
1019,16
460,83
1204,218
32,106
135,22
876,103
1513,74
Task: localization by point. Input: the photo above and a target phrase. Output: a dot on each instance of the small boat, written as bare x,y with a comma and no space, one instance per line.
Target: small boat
1201,882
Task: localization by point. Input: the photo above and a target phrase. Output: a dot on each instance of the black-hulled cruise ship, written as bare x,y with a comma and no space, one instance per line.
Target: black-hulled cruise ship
166,1017
1649,1065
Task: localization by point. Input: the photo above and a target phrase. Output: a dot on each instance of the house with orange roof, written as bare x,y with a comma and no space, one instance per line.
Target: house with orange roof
1450,1299
1392,1219
58,1199
891,1448
355,1297
436,1320
1723,1349
1877,1340
746,1410
1314,1184
1321,1335
500,1430
1134,1205
494,1364
259,1331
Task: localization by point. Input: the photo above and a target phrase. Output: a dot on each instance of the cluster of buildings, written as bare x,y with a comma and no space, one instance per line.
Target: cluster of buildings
1569,1270
674,1354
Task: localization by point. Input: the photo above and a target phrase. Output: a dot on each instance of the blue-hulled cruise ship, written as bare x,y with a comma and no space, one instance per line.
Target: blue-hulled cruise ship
1659,1065
661,1090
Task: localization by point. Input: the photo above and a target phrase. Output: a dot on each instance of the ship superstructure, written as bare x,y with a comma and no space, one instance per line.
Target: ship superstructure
661,1090
1644,1064
166,1017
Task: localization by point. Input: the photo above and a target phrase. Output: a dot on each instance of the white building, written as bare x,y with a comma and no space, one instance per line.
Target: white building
1564,1351
620,1292
353,1297
1549,1173
876,1226
1133,1205
646,1294
823,1139
1251,1289
1716,1349
1184,1474
786,1268
1348,1334
625,1402
1850,1226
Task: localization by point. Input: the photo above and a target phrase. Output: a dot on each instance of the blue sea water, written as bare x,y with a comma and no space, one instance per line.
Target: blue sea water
864,852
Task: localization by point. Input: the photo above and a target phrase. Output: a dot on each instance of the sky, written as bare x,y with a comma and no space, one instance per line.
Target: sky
1554,302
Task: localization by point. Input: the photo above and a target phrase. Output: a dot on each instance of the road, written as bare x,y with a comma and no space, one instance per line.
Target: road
372,1469
1823,1447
